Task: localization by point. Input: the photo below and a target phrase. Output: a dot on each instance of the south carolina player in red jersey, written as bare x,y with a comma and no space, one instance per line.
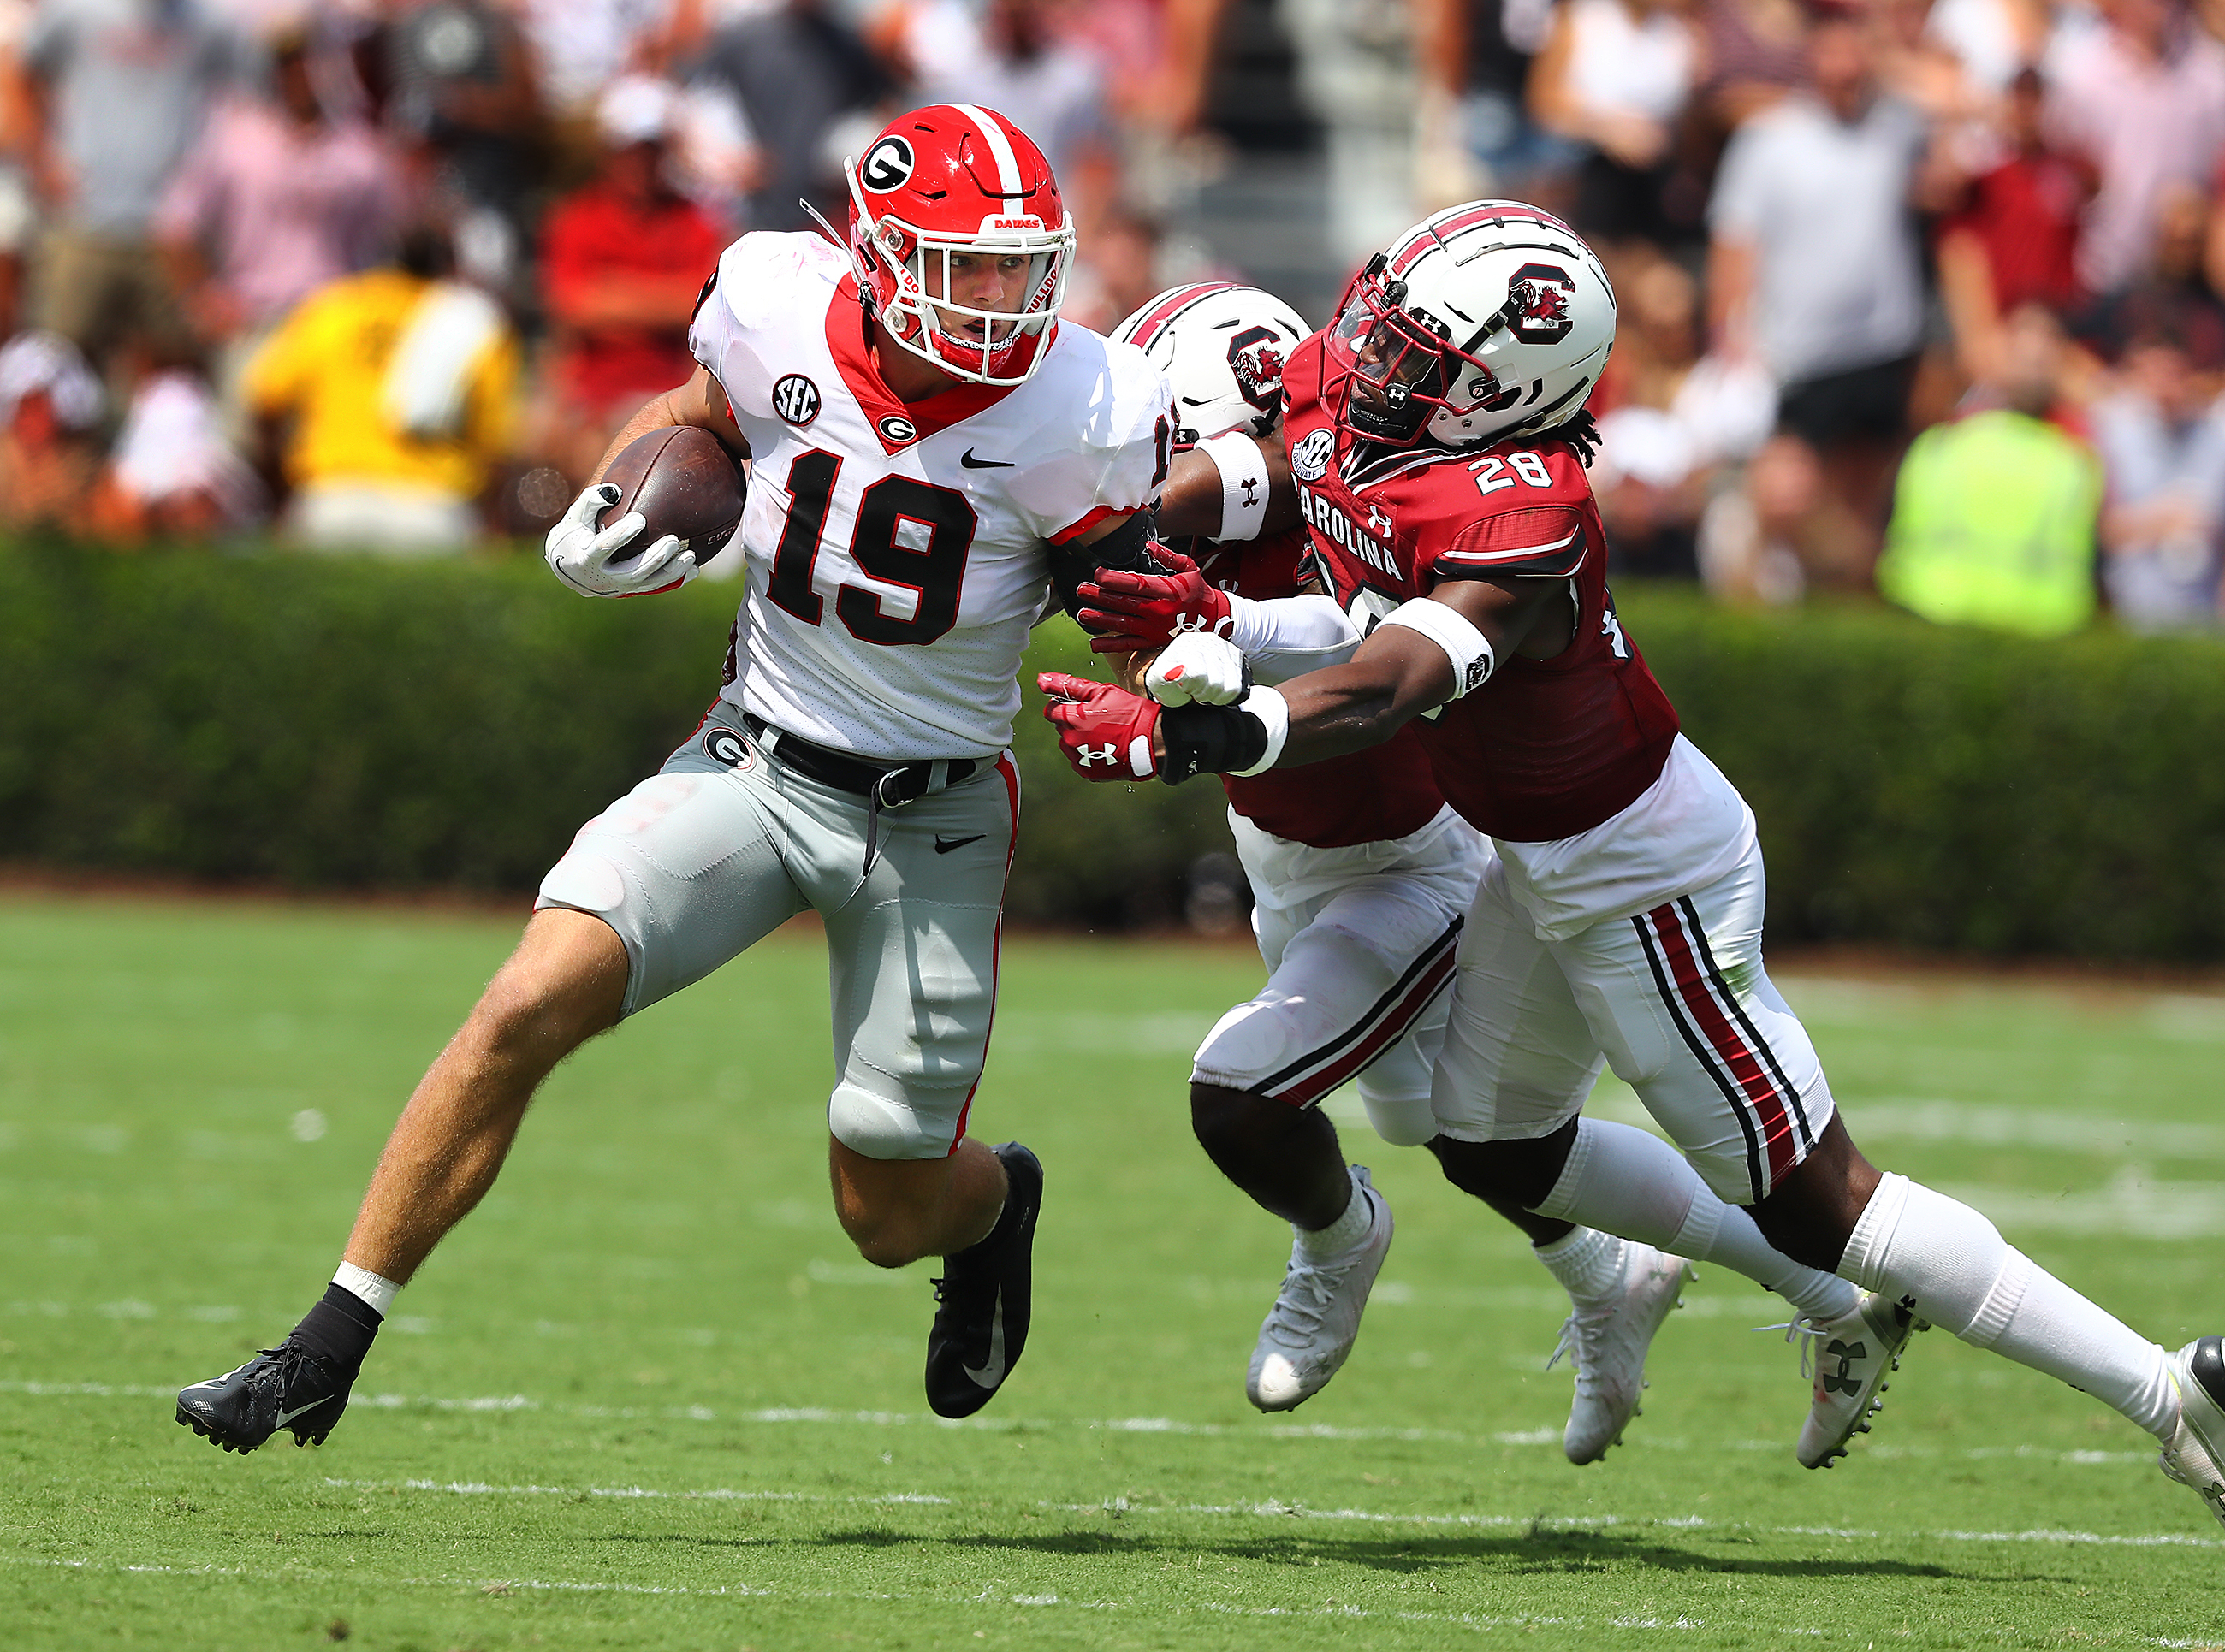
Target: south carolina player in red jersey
1437,450
933,454
1361,875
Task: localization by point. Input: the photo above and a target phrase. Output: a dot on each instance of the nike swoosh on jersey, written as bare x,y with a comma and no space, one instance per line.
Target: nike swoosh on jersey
990,1371
286,1417
943,845
970,463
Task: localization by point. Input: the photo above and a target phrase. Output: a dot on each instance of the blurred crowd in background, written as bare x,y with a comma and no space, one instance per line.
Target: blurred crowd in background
1918,297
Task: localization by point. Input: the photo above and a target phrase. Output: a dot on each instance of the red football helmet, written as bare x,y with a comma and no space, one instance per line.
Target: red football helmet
955,179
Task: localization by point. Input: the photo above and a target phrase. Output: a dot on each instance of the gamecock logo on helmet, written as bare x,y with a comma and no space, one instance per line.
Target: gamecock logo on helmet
1255,356
1538,304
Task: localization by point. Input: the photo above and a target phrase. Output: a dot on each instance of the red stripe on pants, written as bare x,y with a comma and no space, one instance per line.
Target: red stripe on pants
1307,1090
1746,1067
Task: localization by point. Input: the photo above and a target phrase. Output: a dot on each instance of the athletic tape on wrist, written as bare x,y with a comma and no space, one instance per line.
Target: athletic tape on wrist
1243,484
1464,644
1274,714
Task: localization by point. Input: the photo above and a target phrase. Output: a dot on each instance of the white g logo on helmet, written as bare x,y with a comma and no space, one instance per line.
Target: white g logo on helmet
887,164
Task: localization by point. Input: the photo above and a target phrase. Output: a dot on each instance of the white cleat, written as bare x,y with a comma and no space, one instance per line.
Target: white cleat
1849,1358
1310,1330
1608,1340
2196,1456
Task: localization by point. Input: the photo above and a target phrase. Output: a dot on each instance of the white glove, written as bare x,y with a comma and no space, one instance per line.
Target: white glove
594,560
1198,668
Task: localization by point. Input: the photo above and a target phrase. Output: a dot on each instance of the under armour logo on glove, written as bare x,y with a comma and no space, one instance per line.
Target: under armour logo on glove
1841,1381
1133,613
1106,733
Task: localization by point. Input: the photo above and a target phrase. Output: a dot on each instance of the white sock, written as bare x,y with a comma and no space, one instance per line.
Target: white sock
1629,1181
1340,1234
377,1294
1953,1268
1587,1263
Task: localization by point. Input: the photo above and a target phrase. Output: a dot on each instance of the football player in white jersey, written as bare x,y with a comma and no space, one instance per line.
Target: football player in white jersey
935,456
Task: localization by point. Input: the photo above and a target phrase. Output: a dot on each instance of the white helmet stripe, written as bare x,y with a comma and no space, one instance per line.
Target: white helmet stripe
1008,164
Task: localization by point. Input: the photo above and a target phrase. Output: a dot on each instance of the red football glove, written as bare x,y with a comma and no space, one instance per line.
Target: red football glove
1106,733
1137,612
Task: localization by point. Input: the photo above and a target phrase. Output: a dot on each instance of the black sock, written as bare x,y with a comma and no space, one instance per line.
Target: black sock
339,1330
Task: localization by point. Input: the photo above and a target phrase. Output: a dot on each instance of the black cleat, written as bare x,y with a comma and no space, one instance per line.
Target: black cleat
981,1312
285,1387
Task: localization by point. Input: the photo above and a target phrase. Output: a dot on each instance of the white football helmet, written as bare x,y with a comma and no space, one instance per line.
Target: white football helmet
1485,321
1222,347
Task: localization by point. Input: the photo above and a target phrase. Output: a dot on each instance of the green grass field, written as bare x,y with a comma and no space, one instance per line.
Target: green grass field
647,1397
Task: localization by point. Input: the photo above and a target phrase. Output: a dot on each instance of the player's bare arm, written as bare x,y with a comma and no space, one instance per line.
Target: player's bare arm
1198,485
700,401
1442,646
599,555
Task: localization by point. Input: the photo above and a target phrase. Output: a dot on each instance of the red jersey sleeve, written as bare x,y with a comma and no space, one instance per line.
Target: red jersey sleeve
1542,540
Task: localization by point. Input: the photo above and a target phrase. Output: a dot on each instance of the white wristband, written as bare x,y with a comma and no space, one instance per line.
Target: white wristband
1269,707
1464,644
375,1292
1243,484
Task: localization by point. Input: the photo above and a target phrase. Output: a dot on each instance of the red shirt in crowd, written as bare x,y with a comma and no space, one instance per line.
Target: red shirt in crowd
598,233
2025,214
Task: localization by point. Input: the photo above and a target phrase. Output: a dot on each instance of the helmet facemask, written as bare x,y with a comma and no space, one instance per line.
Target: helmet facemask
1395,372
994,347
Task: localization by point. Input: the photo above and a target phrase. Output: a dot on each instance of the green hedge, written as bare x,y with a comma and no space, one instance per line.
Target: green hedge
323,722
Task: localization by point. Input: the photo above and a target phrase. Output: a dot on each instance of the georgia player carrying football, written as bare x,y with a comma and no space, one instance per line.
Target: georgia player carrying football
1361,875
931,449
1438,447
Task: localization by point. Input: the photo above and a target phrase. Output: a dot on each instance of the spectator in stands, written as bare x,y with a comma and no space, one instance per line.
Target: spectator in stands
622,262
2172,296
458,81
173,473
1613,80
2145,97
1814,267
1475,58
2012,238
796,69
1753,52
1671,422
1994,516
1011,62
115,92
384,404
50,405
2162,439
274,200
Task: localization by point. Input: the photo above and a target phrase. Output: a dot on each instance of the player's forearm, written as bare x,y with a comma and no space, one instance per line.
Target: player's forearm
1191,503
1351,707
1289,636
700,403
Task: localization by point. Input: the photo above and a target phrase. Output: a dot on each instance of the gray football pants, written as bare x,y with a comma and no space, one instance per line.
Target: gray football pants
726,843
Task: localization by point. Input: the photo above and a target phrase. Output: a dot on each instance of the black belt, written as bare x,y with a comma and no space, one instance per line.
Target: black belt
888,785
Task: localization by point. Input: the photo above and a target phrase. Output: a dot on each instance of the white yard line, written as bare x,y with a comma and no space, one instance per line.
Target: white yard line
821,1416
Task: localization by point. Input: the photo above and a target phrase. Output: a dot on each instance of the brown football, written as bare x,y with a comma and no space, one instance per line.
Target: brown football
685,482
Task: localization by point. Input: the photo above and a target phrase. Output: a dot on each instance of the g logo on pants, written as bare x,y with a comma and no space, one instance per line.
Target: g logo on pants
729,747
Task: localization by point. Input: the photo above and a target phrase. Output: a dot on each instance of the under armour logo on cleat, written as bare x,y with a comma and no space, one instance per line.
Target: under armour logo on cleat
1841,1381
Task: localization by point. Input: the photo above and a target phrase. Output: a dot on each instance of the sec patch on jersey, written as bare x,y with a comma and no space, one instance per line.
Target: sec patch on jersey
684,482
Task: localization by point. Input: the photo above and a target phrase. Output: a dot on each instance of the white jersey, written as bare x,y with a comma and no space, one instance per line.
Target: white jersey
896,553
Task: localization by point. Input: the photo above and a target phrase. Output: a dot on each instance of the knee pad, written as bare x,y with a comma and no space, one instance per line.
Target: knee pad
881,1129
1403,1121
